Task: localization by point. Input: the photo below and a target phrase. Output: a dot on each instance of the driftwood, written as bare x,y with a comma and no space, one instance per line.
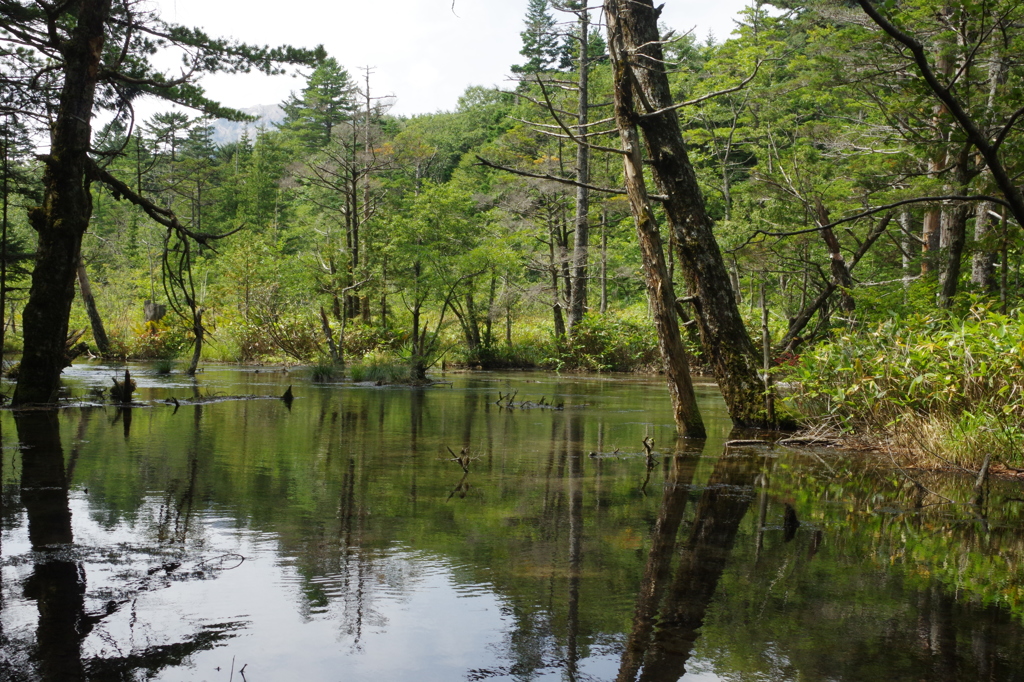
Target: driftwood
508,402
462,460
808,440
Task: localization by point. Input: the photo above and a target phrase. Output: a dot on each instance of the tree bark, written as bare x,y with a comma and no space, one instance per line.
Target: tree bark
581,235
637,53
955,218
660,291
983,267
99,334
64,216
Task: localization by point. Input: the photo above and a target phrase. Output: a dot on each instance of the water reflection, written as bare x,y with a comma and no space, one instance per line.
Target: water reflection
564,552
660,654
56,584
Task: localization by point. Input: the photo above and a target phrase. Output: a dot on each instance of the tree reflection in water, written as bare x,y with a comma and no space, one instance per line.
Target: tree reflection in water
58,583
660,653
547,560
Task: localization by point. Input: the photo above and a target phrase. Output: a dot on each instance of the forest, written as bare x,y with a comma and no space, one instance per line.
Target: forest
847,254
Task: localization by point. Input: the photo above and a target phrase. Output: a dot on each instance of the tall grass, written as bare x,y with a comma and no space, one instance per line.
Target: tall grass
382,369
324,370
164,365
950,389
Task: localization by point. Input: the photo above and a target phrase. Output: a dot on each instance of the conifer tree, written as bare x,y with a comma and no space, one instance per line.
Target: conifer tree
327,101
540,39
61,63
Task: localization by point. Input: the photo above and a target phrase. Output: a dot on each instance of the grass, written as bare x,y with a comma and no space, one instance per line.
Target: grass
164,365
324,370
381,369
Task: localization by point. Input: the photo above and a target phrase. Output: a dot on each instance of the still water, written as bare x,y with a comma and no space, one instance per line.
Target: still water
338,540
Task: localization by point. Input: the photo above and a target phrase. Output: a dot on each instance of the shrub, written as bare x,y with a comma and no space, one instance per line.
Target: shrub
607,343
501,356
152,341
953,387
361,339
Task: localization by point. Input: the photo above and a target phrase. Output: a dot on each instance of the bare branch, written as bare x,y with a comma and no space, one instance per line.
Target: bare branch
555,178
712,95
872,211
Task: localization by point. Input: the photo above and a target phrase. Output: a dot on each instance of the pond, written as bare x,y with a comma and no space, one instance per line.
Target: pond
338,538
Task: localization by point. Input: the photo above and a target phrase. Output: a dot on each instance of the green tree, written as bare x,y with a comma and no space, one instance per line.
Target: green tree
328,100
79,57
540,39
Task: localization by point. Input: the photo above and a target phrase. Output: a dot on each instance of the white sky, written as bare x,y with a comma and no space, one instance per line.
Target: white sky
421,51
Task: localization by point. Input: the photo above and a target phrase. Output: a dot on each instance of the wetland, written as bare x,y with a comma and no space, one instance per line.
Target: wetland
336,539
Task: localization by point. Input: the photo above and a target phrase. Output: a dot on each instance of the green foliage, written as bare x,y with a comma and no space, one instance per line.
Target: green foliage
362,339
380,368
327,100
607,343
540,39
956,382
163,340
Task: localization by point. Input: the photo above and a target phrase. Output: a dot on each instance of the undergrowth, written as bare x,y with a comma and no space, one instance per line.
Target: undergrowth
950,390
381,368
607,343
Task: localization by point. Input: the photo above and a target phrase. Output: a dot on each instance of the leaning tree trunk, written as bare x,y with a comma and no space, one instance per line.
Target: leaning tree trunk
660,291
99,334
633,30
64,216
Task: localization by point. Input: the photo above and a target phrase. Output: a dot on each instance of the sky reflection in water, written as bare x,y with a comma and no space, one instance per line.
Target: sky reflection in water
337,541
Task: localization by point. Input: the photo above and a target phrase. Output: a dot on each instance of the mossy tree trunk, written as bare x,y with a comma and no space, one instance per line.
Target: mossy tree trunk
633,28
64,216
660,292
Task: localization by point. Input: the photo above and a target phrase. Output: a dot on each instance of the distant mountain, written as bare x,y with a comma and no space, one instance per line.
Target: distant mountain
267,116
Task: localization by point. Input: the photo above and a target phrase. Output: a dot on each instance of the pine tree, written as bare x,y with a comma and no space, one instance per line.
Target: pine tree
327,101
62,63
540,39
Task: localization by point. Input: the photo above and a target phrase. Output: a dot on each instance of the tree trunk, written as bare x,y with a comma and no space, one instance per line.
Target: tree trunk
637,55
796,326
64,216
604,263
581,236
660,291
329,336
99,334
983,267
197,350
556,306
955,219
840,273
